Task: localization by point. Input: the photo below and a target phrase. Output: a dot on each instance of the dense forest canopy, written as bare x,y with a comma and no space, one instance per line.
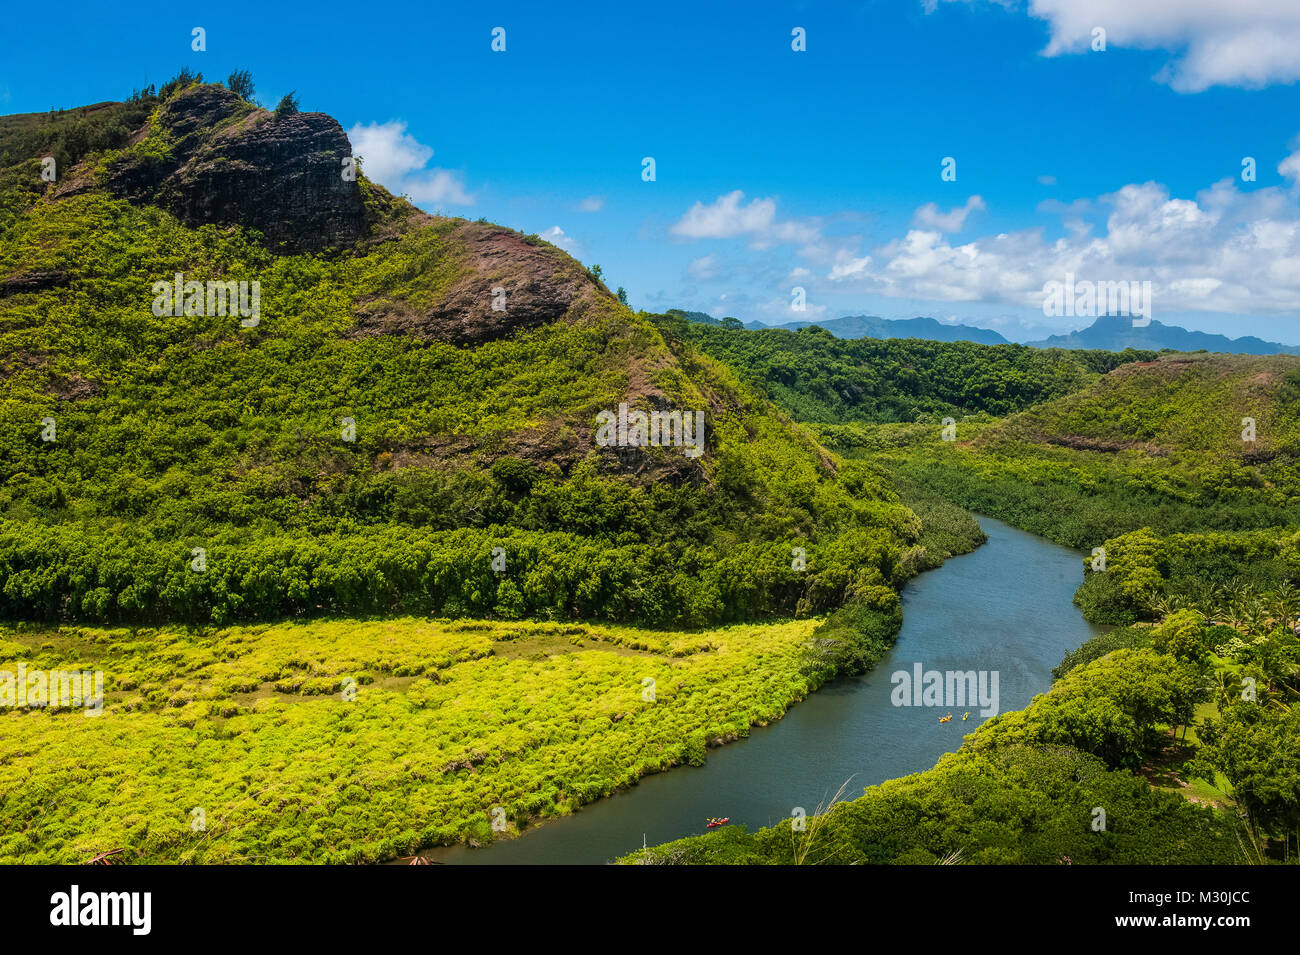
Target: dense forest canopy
820,378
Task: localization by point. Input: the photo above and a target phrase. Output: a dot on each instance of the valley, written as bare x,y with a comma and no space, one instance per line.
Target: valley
430,540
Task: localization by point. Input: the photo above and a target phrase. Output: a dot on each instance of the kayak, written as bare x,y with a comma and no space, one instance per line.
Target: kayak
714,823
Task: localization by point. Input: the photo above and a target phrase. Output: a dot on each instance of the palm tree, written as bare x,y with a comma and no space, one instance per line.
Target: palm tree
1157,604
1253,614
1284,600
1228,689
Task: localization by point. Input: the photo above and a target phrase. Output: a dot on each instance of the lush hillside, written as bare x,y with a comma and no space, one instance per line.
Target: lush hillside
360,568
1185,733
1155,444
404,422
364,442
1148,463
820,378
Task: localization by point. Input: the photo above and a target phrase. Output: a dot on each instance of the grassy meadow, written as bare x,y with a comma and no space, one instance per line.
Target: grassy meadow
447,721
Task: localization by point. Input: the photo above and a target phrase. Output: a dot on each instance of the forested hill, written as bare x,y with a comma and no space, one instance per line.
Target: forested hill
820,378
400,415
1176,405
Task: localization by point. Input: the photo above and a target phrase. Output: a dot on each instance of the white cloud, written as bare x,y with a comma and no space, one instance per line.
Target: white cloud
777,311
396,160
954,220
592,204
1047,180
1224,250
1290,166
557,236
703,269
1249,43
728,217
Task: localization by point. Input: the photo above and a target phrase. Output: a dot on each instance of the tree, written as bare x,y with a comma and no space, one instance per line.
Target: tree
240,83
1257,748
622,294
1182,636
288,105
180,81
730,322
1284,602
596,272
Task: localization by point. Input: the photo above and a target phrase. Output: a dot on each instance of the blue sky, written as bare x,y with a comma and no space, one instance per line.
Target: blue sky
777,168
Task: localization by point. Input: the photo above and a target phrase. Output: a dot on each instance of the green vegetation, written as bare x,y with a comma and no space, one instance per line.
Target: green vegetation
820,378
173,433
240,82
1025,785
450,720
1018,805
288,104
170,469
1120,638
1199,529
1114,708
1154,445
196,506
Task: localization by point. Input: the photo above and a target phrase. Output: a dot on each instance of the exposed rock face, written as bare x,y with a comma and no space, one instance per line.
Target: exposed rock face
33,282
538,283
208,157
233,164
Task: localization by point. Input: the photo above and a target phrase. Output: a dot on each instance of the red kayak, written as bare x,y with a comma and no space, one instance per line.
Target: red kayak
714,823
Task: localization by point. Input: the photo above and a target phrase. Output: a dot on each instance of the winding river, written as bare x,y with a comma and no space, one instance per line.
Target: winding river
1005,608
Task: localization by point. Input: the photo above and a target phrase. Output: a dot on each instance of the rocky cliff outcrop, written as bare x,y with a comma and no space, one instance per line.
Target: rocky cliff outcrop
210,157
506,282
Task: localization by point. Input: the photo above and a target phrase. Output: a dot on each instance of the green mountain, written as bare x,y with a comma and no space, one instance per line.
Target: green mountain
240,381
818,377
1178,404
1185,470
269,434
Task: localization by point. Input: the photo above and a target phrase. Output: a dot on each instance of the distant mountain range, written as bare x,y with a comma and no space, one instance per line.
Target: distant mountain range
869,326
1109,332
1116,332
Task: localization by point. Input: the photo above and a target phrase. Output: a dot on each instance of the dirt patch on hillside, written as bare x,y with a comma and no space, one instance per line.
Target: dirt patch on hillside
38,281
508,283
1082,442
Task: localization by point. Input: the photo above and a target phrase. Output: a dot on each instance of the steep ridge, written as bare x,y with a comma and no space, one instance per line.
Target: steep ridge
214,341
209,157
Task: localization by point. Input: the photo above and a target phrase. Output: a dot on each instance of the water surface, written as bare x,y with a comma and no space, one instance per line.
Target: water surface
1006,607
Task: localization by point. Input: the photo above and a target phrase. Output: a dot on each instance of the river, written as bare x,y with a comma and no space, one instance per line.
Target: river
1005,608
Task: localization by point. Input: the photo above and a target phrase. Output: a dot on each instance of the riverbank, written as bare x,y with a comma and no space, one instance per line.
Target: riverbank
1047,781
1005,607
355,741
